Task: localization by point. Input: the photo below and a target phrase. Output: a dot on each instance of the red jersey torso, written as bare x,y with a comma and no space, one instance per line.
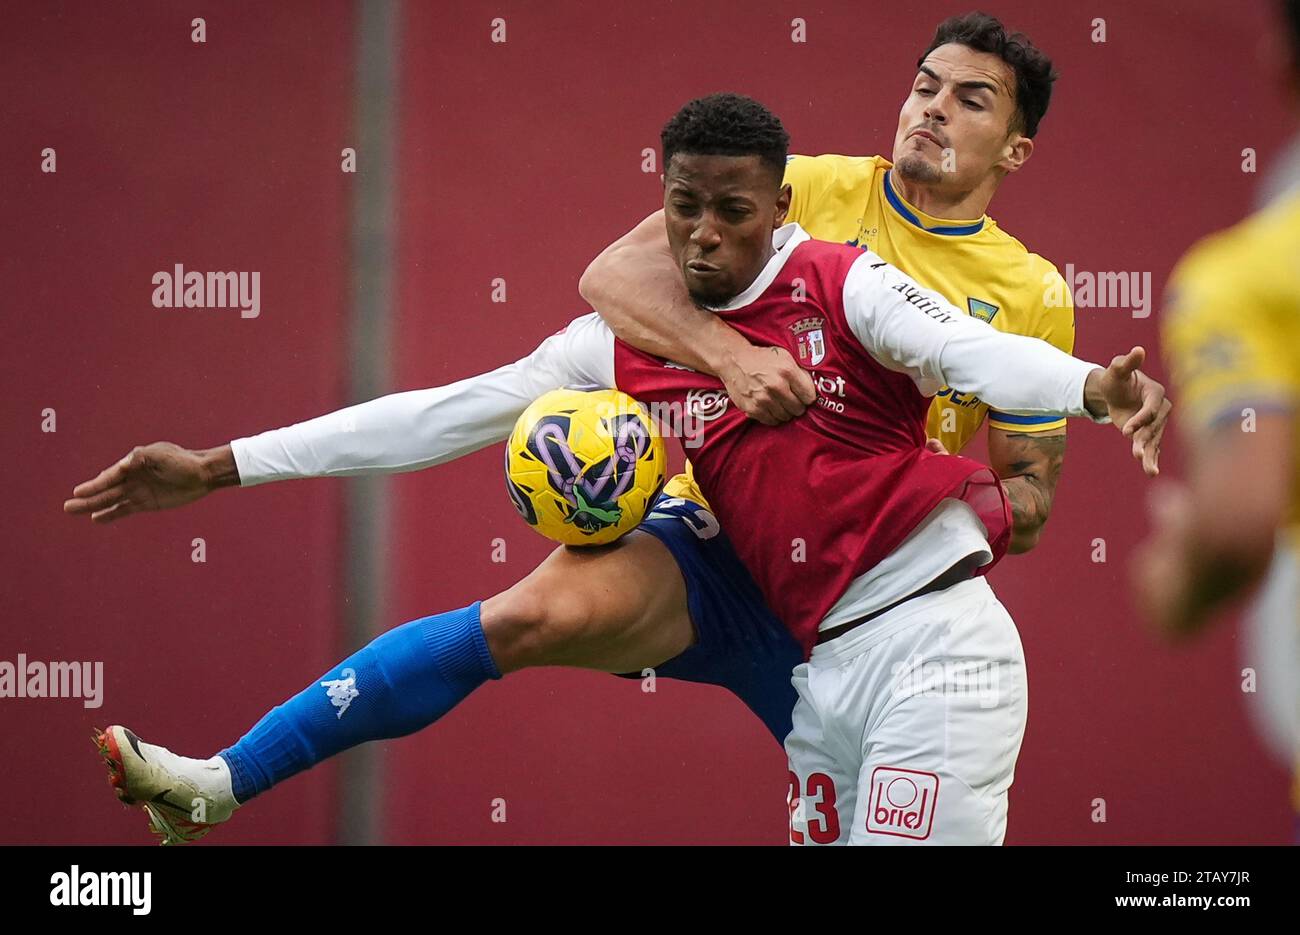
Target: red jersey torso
815,503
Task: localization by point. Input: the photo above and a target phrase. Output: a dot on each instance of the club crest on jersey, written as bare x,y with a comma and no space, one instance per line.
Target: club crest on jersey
980,309
811,340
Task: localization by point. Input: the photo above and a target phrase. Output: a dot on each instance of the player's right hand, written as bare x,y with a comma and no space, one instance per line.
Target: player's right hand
766,384
150,477
1137,406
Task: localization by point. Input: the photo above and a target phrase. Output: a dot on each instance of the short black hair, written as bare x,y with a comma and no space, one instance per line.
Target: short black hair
1033,69
727,124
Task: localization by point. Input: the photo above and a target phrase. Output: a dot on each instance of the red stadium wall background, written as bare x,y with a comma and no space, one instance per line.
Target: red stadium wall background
218,156
519,161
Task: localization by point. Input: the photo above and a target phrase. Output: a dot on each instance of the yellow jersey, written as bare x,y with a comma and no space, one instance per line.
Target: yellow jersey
974,264
1231,327
1231,334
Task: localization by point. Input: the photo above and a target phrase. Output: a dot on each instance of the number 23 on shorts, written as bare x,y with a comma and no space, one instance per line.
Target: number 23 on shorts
824,827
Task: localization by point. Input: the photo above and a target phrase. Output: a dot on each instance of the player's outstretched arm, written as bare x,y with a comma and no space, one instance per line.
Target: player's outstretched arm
635,285
1213,538
918,332
1125,396
153,477
993,363
400,432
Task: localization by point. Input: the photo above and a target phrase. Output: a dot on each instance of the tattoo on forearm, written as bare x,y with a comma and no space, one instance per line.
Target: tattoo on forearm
1030,503
1031,476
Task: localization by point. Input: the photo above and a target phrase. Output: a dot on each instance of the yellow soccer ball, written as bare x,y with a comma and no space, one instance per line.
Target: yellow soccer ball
583,468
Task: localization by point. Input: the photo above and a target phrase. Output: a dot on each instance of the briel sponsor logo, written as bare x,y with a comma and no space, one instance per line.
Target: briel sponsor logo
902,802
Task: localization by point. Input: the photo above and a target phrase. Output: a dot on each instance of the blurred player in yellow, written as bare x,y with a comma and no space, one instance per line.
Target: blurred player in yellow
1232,340
967,123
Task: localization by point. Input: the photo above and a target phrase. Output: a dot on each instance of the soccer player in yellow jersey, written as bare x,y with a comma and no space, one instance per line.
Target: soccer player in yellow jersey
967,123
1231,335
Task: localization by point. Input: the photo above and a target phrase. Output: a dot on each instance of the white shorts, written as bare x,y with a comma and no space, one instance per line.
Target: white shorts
907,728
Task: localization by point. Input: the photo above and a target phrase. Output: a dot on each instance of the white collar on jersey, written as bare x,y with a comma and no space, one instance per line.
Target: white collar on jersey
784,239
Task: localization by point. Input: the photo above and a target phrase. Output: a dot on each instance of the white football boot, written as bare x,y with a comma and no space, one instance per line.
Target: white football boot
184,797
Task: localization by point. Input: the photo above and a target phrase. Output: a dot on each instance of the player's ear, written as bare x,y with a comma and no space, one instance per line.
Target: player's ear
1017,152
782,205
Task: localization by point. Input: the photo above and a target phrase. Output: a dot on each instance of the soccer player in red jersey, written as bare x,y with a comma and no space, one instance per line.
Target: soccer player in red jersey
891,539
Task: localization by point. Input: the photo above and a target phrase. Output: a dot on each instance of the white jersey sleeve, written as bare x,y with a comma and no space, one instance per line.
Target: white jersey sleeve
421,428
918,332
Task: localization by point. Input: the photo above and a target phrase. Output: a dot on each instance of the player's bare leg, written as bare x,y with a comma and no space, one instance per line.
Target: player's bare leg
617,608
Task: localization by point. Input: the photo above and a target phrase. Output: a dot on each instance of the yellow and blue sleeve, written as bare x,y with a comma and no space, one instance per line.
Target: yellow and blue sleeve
1229,345
1055,325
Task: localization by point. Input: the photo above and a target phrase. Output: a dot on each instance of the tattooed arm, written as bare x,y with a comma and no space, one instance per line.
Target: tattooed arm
1029,465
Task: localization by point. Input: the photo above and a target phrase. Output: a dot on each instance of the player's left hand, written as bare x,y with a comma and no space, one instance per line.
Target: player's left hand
1137,406
766,384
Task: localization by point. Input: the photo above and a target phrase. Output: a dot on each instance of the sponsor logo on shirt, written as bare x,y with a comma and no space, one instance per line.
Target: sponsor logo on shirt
902,802
706,405
965,400
829,386
922,301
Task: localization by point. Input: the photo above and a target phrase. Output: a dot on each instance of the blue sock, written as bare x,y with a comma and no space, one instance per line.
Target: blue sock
401,682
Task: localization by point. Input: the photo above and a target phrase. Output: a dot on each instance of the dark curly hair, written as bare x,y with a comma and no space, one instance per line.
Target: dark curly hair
727,125
1033,69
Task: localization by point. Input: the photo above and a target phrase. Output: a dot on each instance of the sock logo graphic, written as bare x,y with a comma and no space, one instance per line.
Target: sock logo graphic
342,691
